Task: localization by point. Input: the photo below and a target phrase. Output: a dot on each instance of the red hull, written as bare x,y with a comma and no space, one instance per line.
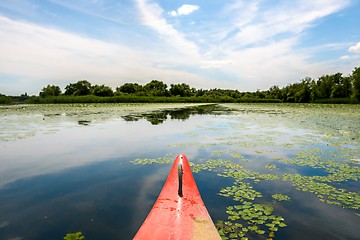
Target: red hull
178,214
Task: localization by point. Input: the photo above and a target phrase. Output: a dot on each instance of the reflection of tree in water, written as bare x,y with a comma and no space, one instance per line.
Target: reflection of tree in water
158,117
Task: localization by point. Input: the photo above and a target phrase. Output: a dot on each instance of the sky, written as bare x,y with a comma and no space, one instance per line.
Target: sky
234,44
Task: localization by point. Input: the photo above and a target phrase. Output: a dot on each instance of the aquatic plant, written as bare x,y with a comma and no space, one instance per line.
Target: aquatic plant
144,161
249,217
324,192
280,197
240,191
270,166
74,236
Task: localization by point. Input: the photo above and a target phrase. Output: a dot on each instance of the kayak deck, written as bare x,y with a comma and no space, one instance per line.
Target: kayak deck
179,212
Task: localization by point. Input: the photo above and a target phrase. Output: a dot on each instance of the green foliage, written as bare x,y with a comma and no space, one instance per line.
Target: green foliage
102,91
50,90
130,88
80,88
74,236
355,78
5,100
156,88
182,90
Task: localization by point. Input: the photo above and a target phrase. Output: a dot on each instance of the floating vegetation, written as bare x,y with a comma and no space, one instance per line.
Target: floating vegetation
237,156
324,192
248,217
217,153
74,236
144,161
280,197
270,166
240,191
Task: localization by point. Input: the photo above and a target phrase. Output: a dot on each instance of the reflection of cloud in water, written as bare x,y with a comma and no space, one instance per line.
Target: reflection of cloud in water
78,146
16,238
4,224
145,199
307,218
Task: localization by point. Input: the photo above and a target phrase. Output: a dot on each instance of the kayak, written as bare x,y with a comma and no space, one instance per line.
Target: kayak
179,212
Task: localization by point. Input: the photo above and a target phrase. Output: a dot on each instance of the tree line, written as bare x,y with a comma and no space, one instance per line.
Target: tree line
334,88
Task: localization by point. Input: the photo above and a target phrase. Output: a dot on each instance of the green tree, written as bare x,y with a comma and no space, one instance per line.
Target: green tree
156,88
130,88
355,78
200,92
324,86
347,87
338,88
102,91
275,93
303,94
5,99
182,90
50,90
82,87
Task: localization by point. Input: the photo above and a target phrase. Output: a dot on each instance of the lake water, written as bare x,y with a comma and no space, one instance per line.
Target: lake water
99,168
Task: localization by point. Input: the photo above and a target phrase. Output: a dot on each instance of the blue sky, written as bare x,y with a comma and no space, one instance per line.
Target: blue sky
236,44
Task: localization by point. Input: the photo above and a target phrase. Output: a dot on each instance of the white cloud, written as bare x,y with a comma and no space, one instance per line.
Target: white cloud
173,13
185,9
345,57
34,52
52,53
290,18
215,63
35,56
355,48
243,12
263,41
151,16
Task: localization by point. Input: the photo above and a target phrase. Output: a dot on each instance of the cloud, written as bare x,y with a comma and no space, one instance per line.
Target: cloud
151,16
345,57
215,63
41,51
185,9
355,48
242,12
286,19
96,8
173,13
264,41
34,56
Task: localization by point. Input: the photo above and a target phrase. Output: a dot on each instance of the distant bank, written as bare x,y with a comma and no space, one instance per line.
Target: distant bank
334,88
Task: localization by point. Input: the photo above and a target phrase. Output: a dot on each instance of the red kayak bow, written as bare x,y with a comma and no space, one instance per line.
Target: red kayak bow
179,212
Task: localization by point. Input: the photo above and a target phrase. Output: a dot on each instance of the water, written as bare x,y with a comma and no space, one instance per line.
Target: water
67,168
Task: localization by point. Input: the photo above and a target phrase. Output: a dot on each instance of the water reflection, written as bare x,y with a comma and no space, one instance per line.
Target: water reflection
84,122
158,117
